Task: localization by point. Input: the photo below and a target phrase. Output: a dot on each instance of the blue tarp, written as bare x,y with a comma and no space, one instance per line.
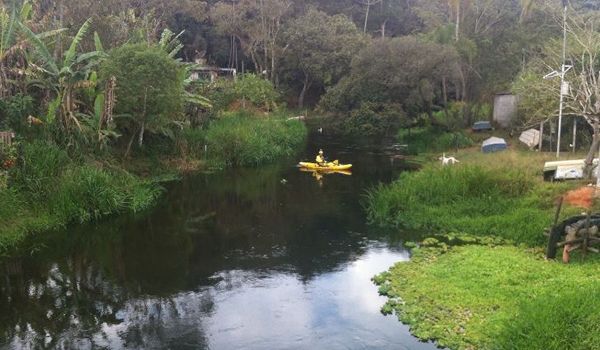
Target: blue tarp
493,144
481,126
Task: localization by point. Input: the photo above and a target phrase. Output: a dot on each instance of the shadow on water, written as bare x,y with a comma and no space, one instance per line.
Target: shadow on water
252,258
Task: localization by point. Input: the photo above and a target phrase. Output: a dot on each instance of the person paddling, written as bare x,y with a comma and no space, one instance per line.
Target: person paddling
320,158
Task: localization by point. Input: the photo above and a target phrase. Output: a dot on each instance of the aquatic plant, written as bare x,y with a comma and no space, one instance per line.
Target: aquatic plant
494,296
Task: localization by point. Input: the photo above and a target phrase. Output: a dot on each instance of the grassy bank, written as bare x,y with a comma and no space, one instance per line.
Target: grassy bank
47,190
499,194
242,139
491,289
495,297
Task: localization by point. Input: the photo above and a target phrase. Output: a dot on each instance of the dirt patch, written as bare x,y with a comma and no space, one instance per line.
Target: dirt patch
582,197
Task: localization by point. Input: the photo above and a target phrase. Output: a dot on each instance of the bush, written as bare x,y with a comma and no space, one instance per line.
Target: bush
373,119
260,92
249,89
239,139
14,112
420,140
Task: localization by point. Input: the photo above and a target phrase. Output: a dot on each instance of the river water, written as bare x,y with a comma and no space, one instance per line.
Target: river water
269,258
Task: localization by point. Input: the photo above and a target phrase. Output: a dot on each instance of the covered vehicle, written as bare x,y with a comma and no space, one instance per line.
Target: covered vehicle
482,126
493,144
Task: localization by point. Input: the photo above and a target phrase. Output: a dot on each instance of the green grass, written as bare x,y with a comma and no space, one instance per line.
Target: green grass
495,297
49,190
421,140
240,139
500,194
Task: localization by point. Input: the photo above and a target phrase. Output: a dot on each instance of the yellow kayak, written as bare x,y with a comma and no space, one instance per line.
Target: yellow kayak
329,166
326,171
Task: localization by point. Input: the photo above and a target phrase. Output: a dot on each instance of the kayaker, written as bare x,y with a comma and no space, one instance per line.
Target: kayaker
320,158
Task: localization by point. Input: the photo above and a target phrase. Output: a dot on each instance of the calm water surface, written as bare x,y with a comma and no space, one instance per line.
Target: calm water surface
269,258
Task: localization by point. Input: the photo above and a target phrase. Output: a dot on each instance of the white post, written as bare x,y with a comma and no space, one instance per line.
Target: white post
562,81
574,133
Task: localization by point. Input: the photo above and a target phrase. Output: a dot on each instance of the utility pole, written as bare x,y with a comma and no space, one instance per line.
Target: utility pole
563,70
564,86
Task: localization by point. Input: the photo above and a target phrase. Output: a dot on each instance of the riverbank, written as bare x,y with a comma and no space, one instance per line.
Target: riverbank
496,291
48,189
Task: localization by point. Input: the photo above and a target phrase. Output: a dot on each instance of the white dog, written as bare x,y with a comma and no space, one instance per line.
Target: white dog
448,160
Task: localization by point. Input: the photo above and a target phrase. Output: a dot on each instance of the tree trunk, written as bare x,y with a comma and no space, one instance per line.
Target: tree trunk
366,17
128,151
589,159
445,91
303,92
457,30
141,135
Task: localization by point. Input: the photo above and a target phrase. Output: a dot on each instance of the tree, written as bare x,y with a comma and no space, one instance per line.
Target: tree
406,71
257,25
149,92
539,97
320,49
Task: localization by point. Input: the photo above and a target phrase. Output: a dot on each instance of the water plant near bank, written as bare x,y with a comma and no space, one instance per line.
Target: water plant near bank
495,295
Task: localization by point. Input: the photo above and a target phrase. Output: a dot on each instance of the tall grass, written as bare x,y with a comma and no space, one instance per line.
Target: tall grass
240,139
48,190
482,200
421,140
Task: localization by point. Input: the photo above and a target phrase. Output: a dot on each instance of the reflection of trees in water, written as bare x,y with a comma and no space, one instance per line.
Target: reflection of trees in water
74,304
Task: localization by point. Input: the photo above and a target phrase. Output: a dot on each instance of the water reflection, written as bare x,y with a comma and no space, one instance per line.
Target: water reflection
232,260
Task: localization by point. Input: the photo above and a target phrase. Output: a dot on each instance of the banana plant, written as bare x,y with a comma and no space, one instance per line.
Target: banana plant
171,44
65,76
11,49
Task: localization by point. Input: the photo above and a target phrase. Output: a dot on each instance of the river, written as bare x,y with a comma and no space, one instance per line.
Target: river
269,258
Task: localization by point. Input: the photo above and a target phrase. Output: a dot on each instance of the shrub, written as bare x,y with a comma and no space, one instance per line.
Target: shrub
373,119
258,91
249,89
420,140
14,112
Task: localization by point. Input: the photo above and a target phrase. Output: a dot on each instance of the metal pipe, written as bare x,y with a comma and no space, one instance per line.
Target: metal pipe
562,80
